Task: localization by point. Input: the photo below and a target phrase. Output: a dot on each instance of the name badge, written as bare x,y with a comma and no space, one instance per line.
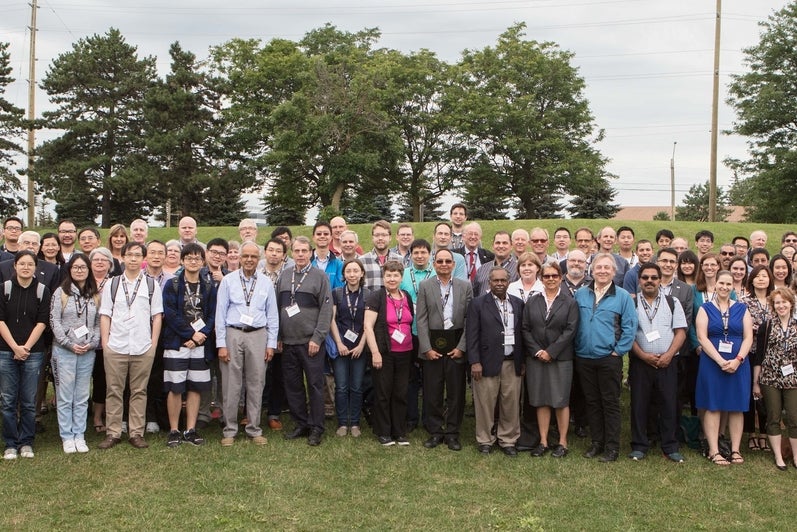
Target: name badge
398,336
652,336
448,324
198,325
82,331
509,339
247,320
351,336
787,370
293,310
725,347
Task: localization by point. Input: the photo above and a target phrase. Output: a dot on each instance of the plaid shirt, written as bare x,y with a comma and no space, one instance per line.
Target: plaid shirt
373,268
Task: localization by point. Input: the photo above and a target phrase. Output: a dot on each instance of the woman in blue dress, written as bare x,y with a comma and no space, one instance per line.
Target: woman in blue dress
725,332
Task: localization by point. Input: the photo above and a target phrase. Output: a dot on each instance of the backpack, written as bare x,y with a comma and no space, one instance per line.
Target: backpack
7,289
670,303
115,286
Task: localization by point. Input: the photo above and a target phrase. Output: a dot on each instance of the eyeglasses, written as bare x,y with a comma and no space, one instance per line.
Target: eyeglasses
538,240
550,276
192,258
791,240
13,228
727,253
133,255
66,231
79,268
443,261
217,253
649,277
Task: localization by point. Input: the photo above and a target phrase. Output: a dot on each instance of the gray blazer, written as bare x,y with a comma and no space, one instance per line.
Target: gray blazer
429,311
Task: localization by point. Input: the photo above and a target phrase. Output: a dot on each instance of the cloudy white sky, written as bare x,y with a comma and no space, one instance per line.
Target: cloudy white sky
647,63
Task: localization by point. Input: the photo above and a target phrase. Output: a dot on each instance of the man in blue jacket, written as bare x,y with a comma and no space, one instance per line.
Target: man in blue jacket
606,332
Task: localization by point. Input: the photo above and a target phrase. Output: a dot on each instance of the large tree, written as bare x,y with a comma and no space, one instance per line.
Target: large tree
595,203
765,101
11,126
98,89
695,205
523,104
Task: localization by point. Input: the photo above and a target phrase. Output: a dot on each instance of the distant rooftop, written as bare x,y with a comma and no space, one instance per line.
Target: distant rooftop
642,214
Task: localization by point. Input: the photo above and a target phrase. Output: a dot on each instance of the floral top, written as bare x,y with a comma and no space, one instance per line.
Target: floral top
760,313
780,352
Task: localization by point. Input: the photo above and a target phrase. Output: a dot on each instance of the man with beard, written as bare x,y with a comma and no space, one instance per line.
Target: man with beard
379,255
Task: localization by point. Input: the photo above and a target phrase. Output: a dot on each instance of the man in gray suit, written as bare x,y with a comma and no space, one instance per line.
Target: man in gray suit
441,307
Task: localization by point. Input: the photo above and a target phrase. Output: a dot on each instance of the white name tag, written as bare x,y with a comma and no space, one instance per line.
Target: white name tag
652,336
448,324
787,370
725,347
398,336
293,310
82,331
198,325
509,339
351,336
247,320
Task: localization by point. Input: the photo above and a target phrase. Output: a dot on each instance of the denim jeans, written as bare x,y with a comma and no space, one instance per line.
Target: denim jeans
349,389
72,383
19,380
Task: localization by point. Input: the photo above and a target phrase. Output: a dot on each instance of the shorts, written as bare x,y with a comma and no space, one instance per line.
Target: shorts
185,370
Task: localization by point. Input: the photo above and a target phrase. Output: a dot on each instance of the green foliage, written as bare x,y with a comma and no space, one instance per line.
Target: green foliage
696,204
11,129
595,202
661,216
485,193
765,101
367,208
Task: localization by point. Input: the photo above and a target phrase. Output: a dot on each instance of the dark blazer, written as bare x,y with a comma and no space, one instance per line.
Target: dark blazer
484,255
429,311
557,333
485,334
47,273
377,301
684,294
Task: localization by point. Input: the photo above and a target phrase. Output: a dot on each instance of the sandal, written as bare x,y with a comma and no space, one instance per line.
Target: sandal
752,444
764,444
736,458
99,429
718,459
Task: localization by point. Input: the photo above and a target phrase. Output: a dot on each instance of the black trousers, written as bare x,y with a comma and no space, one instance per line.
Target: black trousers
274,391
297,364
601,379
444,395
390,390
650,385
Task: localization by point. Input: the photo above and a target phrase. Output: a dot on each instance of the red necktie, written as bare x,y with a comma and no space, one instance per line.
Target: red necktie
472,266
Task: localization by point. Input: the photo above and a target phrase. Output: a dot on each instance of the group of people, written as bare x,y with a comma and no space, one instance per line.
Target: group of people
147,330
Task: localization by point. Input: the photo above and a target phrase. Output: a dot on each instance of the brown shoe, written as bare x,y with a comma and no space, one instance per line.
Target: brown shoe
138,442
108,442
259,440
227,442
274,424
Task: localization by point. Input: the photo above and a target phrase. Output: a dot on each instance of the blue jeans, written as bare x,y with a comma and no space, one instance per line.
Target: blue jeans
349,389
72,382
19,380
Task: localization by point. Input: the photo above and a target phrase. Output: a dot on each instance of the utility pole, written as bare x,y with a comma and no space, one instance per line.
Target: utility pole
672,182
712,177
32,114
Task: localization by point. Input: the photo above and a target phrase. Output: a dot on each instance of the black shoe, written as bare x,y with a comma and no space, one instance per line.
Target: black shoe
433,441
39,427
485,449
298,432
314,438
783,467
175,438
510,451
594,450
581,432
386,441
609,456
453,443
524,448
560,451
191,436
402,441
724,447
201,424
539,450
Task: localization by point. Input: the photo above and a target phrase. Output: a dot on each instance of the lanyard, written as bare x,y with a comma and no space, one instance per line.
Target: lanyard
428,273
647,308
294,285
352,307
444,297
503,310
129,299
725,319
247,295
398,308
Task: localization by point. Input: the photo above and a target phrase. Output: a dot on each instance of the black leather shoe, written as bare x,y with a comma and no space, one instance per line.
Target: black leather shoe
581,432
560,451
453,443
485,449
609,456
314,438
433,441
539,450
594,450
510,451
298,432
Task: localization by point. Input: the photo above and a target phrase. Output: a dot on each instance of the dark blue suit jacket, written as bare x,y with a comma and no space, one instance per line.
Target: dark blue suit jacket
484,333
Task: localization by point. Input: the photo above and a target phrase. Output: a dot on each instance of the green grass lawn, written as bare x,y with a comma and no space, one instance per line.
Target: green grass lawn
354,483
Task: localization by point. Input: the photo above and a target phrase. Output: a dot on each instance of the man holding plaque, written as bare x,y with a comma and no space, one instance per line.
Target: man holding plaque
441,307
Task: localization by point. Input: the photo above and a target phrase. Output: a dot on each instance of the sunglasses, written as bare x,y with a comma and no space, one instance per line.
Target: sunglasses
649,277
443,261
550,276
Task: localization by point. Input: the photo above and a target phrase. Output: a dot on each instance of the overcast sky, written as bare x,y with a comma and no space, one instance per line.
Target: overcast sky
647,63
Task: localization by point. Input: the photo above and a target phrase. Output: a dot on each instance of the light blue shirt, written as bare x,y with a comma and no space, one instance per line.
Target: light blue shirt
231,306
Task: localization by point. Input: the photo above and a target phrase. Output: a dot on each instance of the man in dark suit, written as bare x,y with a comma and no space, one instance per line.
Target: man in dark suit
46,273
441,308
495,352
475,255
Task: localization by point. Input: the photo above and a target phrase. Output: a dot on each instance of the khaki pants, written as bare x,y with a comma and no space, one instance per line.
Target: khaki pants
119,368
504,388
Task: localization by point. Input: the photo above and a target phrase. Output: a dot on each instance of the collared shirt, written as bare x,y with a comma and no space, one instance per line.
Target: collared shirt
410,282
481,285
508,318
131,313
160,278
373,267
657,317
232,308
447,300
407,256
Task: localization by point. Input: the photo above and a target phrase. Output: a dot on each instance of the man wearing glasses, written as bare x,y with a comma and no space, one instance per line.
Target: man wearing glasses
12,228
727,252
67,234
214,269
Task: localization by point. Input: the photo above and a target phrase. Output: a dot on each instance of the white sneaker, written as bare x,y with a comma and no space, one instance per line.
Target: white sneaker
10,454
81,446
152,428
26,451
69,447
124,427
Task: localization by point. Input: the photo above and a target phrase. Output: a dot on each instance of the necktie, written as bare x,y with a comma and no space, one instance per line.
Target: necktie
472,266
